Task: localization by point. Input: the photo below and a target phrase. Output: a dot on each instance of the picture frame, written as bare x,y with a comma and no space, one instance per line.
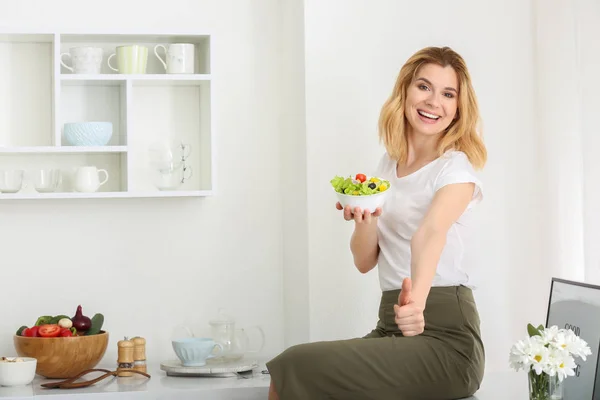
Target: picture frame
576,305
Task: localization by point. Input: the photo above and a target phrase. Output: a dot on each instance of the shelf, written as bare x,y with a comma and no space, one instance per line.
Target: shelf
134,37
104,195
146,79
108,42
26,37
25,91
43,94
63,149
95,103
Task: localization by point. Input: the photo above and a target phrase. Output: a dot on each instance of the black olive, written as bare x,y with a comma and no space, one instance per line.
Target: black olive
372,185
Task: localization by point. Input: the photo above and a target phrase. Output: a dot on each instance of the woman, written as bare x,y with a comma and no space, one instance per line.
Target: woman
427,343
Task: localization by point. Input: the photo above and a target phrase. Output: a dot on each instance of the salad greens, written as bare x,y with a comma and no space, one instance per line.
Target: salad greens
360,185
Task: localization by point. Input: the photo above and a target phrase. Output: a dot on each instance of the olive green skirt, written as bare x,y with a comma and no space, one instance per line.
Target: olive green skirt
445,362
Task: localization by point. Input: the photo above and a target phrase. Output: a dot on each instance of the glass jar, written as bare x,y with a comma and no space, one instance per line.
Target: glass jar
544,387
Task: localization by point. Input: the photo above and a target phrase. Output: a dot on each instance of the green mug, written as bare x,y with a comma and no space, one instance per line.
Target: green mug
130,59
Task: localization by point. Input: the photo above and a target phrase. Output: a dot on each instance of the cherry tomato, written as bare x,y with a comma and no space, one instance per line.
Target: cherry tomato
360,177
31,332
49,330
65,332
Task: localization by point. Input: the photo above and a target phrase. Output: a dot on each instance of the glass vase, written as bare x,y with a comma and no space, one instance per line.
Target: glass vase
544,387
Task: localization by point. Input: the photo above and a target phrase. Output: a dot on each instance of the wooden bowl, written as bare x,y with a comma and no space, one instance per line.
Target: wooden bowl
63,357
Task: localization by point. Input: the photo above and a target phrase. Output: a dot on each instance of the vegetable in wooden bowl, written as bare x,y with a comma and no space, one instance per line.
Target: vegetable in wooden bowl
63,357
63,346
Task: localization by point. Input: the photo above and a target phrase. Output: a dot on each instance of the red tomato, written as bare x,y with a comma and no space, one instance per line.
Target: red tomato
65,332
360,177
49,330
31,332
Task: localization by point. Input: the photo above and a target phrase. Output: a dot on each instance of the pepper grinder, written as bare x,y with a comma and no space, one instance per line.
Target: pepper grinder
139,354
125,360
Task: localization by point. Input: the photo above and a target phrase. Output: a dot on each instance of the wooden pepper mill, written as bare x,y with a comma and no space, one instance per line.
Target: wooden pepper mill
125,359
139,354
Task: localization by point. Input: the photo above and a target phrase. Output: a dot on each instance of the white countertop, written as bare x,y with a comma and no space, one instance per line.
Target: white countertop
159,386
504,385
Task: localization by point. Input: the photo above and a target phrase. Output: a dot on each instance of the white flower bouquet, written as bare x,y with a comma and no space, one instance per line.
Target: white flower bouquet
548,355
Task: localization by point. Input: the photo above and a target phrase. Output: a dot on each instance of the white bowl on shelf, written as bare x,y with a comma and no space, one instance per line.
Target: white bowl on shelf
368,202
17,373
88,133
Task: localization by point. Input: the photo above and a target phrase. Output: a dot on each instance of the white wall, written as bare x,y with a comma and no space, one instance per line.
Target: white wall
559,79
588,13
294,175
150,264
354,51
569,57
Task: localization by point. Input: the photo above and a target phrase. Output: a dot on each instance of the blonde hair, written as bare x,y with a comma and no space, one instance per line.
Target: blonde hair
462,133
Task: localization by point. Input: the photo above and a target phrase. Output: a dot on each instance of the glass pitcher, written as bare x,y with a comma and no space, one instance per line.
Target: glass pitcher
235,342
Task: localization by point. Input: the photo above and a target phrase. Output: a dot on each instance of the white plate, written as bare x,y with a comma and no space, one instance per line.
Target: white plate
212,368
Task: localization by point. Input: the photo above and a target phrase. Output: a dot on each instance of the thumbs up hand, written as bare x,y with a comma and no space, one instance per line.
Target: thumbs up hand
409,315
405,293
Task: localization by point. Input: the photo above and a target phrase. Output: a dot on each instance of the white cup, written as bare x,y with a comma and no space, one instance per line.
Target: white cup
11,181
173,178
87,179
85,60
47,180
179,58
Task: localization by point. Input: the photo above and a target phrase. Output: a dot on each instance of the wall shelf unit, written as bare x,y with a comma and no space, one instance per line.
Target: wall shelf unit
157,118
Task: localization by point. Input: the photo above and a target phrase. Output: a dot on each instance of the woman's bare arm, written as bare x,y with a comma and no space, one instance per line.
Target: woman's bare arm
428,242
364,243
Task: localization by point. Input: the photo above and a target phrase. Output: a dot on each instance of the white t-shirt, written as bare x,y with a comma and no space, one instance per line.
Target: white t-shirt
404,209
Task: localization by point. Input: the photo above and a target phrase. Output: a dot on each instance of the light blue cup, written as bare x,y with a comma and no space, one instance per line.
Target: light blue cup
88,133
193,352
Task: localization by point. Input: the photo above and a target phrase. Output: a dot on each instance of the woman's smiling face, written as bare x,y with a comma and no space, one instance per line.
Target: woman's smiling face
432,100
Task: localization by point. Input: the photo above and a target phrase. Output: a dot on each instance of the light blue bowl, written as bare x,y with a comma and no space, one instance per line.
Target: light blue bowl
88,133
193,352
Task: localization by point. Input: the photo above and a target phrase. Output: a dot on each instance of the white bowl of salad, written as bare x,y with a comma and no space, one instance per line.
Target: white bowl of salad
367,193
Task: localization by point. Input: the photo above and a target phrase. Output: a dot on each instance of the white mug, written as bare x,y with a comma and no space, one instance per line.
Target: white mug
179,58
85,60
87,179
131,59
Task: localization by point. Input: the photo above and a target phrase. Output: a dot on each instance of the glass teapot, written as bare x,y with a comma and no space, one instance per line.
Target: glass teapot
235,341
